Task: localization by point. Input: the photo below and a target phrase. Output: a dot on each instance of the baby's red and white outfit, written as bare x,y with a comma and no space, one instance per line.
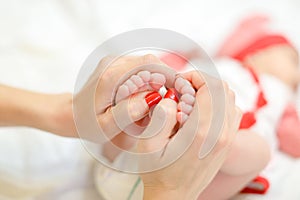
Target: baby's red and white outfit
266,101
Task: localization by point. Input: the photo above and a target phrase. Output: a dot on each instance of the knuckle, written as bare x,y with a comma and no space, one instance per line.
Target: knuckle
108,74
105,61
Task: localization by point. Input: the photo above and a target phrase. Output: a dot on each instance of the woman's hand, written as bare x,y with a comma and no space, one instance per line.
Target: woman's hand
114,116
189,175
52,113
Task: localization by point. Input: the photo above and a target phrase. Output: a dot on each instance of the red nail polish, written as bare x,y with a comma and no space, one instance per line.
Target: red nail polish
153,98
172,94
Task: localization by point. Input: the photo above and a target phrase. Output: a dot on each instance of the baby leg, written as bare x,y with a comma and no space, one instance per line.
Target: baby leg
248,156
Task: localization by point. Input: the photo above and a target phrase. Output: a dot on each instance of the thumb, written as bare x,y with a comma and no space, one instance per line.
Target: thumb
128,111
160,128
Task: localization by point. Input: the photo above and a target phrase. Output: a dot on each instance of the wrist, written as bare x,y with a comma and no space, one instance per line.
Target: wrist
39,111
52,113
59,118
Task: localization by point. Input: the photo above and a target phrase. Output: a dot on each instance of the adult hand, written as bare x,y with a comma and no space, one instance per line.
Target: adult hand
189,175
54,113
114,116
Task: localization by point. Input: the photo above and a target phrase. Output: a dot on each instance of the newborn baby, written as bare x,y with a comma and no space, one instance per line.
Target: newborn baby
262,67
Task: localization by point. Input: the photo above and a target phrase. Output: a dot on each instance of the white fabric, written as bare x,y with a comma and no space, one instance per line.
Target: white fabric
42,49
282,170
247,90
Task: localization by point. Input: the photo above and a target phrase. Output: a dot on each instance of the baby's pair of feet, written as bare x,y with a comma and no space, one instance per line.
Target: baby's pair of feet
183,92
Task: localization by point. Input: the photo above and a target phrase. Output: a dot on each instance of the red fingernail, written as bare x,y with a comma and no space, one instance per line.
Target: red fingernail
153,98
171,94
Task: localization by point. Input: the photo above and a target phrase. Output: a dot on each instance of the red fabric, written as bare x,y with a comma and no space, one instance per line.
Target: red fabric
288,132
261,101
248,120
253,74
247,31
259,44
252,34
259,185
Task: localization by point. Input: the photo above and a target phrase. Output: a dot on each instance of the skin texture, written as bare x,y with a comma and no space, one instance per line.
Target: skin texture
53,113
240,165
196,174
281,61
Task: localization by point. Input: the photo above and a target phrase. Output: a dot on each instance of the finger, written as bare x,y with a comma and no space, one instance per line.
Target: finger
160,128
223,112
122,141
231,122
232,117
238,118
194,131
205,123
195,78
130,62
188,140
126,112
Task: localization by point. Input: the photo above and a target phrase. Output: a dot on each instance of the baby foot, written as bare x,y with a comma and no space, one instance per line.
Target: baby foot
140,82
187,99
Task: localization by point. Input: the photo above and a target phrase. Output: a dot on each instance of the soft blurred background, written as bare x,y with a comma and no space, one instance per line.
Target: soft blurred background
42,47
